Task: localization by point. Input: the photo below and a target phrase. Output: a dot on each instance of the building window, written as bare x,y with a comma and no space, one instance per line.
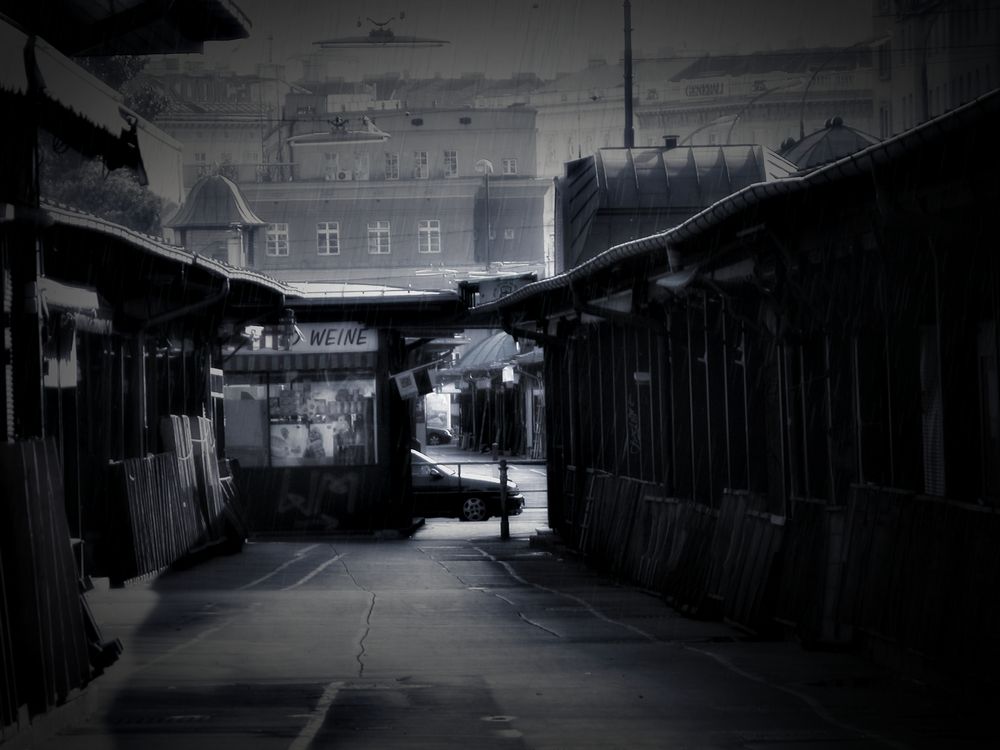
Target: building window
362,161
328,238
450,163
391,165
429,236
420,170
331,165
378,237
509,166
508,234
652,95
277,240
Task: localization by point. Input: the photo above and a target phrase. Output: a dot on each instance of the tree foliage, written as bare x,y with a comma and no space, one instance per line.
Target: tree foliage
86,184
74,180
121,72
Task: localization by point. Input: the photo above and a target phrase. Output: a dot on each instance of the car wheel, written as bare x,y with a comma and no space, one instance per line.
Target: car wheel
433,439
474,509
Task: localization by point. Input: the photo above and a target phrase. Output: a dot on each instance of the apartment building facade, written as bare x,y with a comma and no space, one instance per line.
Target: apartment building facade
420,199
932,57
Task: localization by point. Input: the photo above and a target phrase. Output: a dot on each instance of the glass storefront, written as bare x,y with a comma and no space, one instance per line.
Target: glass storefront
289,418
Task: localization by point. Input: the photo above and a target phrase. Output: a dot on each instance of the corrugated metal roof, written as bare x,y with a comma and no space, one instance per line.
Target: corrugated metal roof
687,176
157,246
622,194
849,166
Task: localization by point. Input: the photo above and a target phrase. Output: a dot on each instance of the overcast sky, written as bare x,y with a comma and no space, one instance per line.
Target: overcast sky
501,37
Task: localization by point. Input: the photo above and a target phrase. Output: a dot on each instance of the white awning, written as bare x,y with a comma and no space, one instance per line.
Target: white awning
83,304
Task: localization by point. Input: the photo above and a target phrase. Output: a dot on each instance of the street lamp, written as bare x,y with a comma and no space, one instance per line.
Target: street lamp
720,120
753,100
836,53
485,168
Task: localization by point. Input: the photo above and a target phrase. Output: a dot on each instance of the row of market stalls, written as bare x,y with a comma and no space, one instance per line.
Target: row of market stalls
784,409
159,403
104,331
180,404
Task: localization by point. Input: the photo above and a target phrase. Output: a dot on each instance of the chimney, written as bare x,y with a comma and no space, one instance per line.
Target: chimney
669,141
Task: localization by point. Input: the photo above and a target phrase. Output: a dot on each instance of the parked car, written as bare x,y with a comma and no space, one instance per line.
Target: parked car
439,490
438,436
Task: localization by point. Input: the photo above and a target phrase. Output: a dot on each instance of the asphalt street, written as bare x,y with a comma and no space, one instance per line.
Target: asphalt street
456,639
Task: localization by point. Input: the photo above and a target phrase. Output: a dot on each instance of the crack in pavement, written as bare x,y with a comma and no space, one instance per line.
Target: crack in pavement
813,705
582,602
486,590
362,650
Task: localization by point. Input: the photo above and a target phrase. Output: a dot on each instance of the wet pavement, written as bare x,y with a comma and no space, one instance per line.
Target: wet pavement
455,639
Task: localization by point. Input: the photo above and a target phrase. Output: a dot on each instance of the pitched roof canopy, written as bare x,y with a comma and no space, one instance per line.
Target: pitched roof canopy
833,141
131,27
490,353
215,202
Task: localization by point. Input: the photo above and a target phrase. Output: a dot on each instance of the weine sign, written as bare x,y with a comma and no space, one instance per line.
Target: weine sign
321,338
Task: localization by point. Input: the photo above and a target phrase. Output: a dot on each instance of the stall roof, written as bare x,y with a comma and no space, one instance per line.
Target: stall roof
131,27
490,353
70,103
751,196
318,292
70,217
387,305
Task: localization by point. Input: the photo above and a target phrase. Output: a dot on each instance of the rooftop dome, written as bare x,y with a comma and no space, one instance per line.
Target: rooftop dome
215,202
833,141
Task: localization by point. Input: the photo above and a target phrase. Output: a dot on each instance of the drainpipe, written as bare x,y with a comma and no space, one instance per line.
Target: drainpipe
629,131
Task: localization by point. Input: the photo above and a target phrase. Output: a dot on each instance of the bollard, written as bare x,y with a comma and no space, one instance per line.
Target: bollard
504,518
496,451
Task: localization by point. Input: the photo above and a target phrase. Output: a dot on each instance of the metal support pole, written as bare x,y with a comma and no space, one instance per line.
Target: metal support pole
489,223
504,518
629,130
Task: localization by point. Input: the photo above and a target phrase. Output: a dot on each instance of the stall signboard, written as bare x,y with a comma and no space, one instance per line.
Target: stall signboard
321,338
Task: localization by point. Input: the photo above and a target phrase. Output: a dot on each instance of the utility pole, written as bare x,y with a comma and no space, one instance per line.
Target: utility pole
629,130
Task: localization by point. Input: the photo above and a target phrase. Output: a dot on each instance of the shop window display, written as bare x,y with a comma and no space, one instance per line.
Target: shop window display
301,419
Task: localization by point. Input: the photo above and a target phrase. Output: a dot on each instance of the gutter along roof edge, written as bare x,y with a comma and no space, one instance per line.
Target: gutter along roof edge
848,166
72,218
